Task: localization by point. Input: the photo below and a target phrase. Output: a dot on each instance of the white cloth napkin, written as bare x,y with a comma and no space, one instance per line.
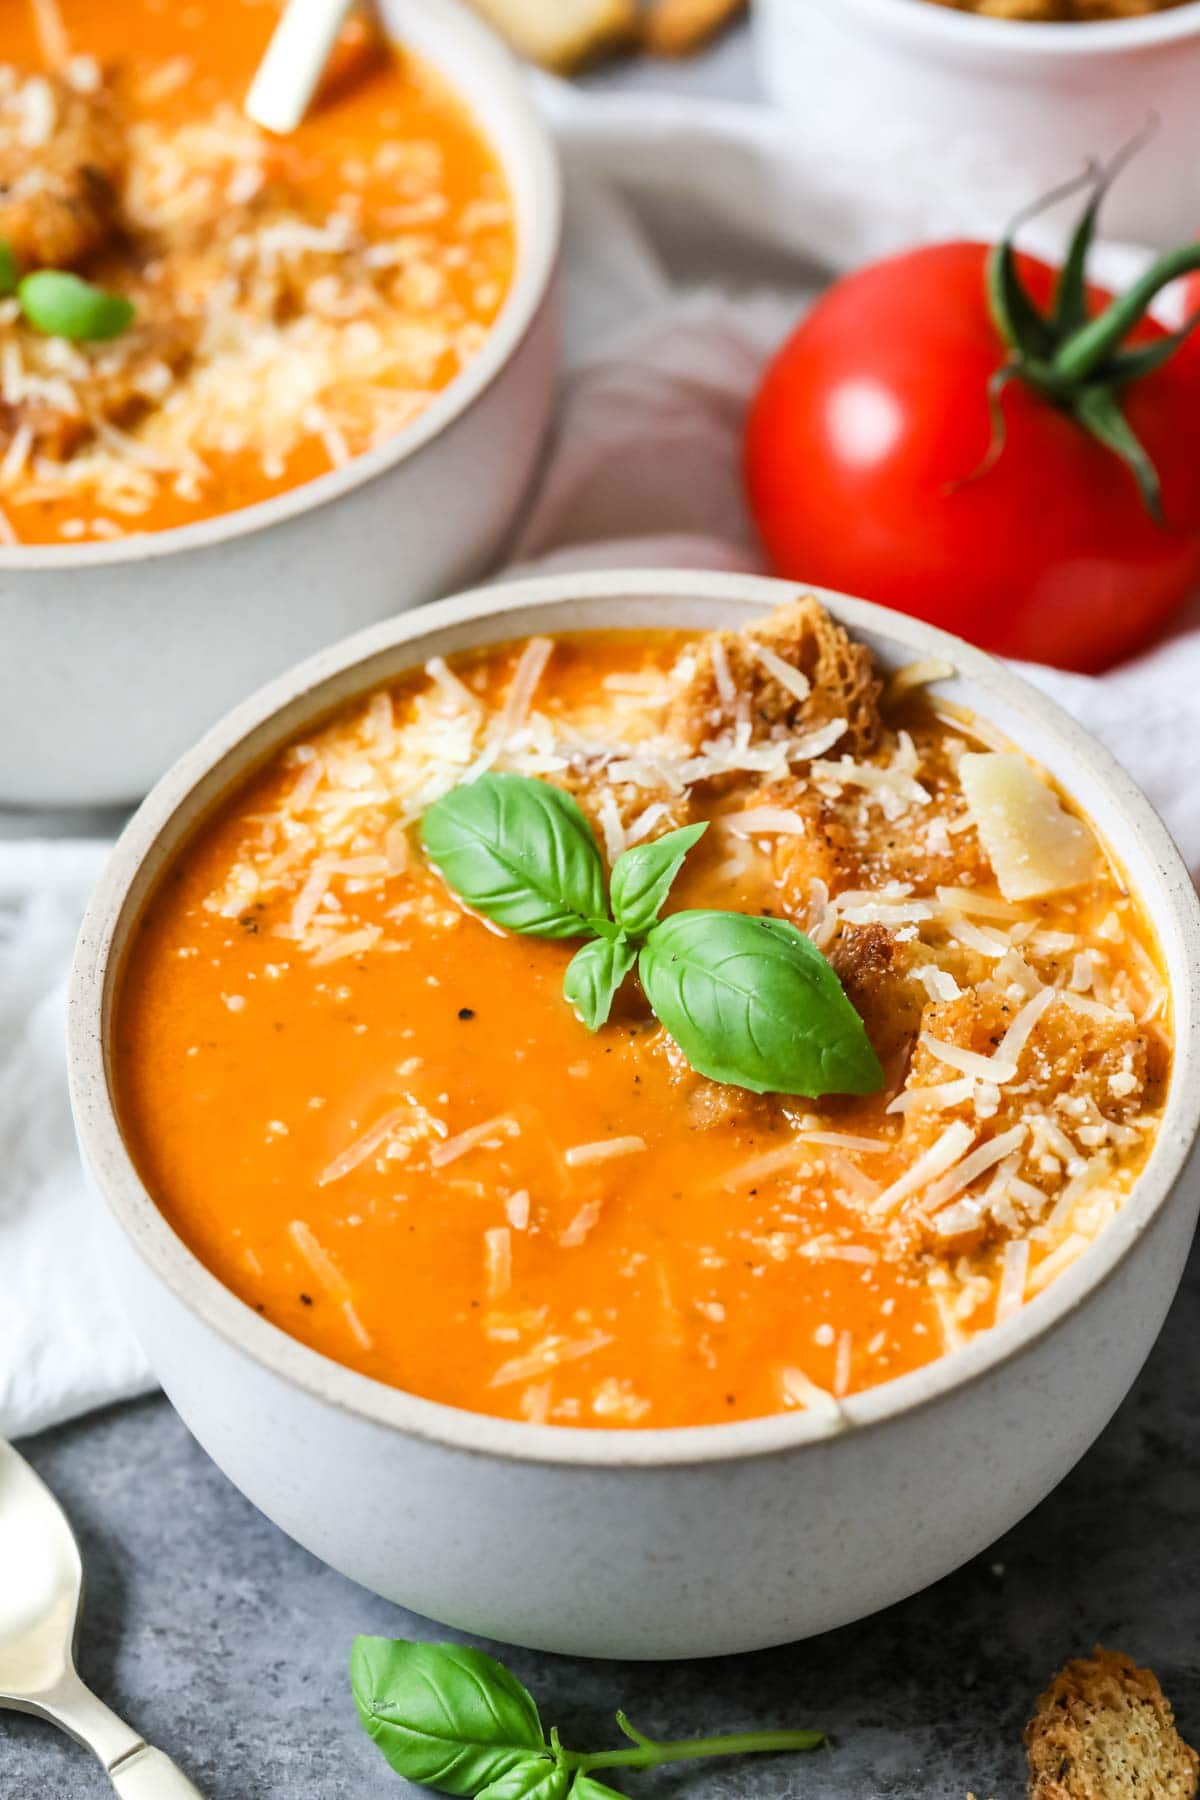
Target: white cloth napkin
690,251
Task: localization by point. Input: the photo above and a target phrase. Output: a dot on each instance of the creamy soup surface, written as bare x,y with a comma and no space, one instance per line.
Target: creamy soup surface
375,1118
297,299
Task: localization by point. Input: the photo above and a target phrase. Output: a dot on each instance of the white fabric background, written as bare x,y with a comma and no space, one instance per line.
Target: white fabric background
690,251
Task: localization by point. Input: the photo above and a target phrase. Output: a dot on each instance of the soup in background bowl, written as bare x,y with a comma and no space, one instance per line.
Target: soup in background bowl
294,300
294,425
483,1281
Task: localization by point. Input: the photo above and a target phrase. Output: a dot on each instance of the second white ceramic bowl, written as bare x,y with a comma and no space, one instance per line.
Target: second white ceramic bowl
915,120
671,1543
116,656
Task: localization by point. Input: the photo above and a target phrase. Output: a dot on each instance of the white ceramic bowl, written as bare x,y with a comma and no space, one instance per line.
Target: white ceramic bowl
116,656
642,1543
916,120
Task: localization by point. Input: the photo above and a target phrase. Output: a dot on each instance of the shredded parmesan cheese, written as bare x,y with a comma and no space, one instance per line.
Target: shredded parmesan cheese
602,1150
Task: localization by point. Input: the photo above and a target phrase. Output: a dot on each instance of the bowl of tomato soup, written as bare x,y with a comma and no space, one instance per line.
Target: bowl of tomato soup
308,381
665,1088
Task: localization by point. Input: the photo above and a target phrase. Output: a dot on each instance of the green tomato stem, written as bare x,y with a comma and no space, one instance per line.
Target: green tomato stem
1088,348
649,1753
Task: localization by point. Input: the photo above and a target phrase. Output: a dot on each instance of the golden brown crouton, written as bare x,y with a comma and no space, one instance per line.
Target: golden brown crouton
1104,1730
840,673
824,851
873,969
677,27
1103,1062
62,154
562,34
712,1103
589,784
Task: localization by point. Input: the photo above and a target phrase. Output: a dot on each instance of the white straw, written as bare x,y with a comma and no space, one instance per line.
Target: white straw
293,63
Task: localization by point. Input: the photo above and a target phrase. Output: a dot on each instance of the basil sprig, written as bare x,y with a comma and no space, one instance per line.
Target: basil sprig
750,1001
60,304
456,1720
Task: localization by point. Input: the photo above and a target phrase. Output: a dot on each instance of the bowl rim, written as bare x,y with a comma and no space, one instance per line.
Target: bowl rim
270,718
927,22
462,39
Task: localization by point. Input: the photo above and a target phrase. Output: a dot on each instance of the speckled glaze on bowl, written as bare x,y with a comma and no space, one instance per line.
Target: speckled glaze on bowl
673,1543
116,656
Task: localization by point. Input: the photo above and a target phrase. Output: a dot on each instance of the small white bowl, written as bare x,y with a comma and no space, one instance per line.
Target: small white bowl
117,655
917,121
669,1543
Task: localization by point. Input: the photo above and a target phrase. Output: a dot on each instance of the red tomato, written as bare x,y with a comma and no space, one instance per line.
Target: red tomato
863,462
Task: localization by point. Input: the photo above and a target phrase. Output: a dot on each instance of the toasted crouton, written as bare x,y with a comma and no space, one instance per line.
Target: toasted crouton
562,34
1105,1062
841,680
62,154
873,968
677,27
1104,1730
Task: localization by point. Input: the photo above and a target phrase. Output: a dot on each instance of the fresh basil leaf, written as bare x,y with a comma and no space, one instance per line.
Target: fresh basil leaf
538,1778
642,877
443,1714
520,852
64,305
593,976
588,1788
752,1002
8,269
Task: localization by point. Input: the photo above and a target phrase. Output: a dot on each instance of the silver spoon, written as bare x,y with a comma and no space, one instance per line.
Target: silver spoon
41,1593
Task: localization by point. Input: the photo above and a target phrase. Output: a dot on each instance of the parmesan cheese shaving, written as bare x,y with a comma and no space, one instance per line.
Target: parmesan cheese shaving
941,1155
551,1353
488,1135
910,676
721,673
792,680
939,1097
984,1157
1015,1268
405,1118
1058,1260
799,1391
842,1364
1009,1050
602,1150
319,1261
497,1261
768,820
516,1209
1035,846
969,1062
581,1225
526,676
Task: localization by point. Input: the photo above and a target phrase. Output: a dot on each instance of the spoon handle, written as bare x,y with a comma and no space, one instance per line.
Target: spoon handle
149,1775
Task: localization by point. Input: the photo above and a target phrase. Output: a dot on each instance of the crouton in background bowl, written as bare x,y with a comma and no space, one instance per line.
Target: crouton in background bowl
921,119
695,1540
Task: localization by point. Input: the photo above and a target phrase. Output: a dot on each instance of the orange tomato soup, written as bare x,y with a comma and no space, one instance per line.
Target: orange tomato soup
375,1119
297,299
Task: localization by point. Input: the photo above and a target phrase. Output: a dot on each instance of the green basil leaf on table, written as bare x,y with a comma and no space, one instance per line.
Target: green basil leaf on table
752,1002
64,305
642,877
521,852
594,974
538,1778
588,1788
446,1715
